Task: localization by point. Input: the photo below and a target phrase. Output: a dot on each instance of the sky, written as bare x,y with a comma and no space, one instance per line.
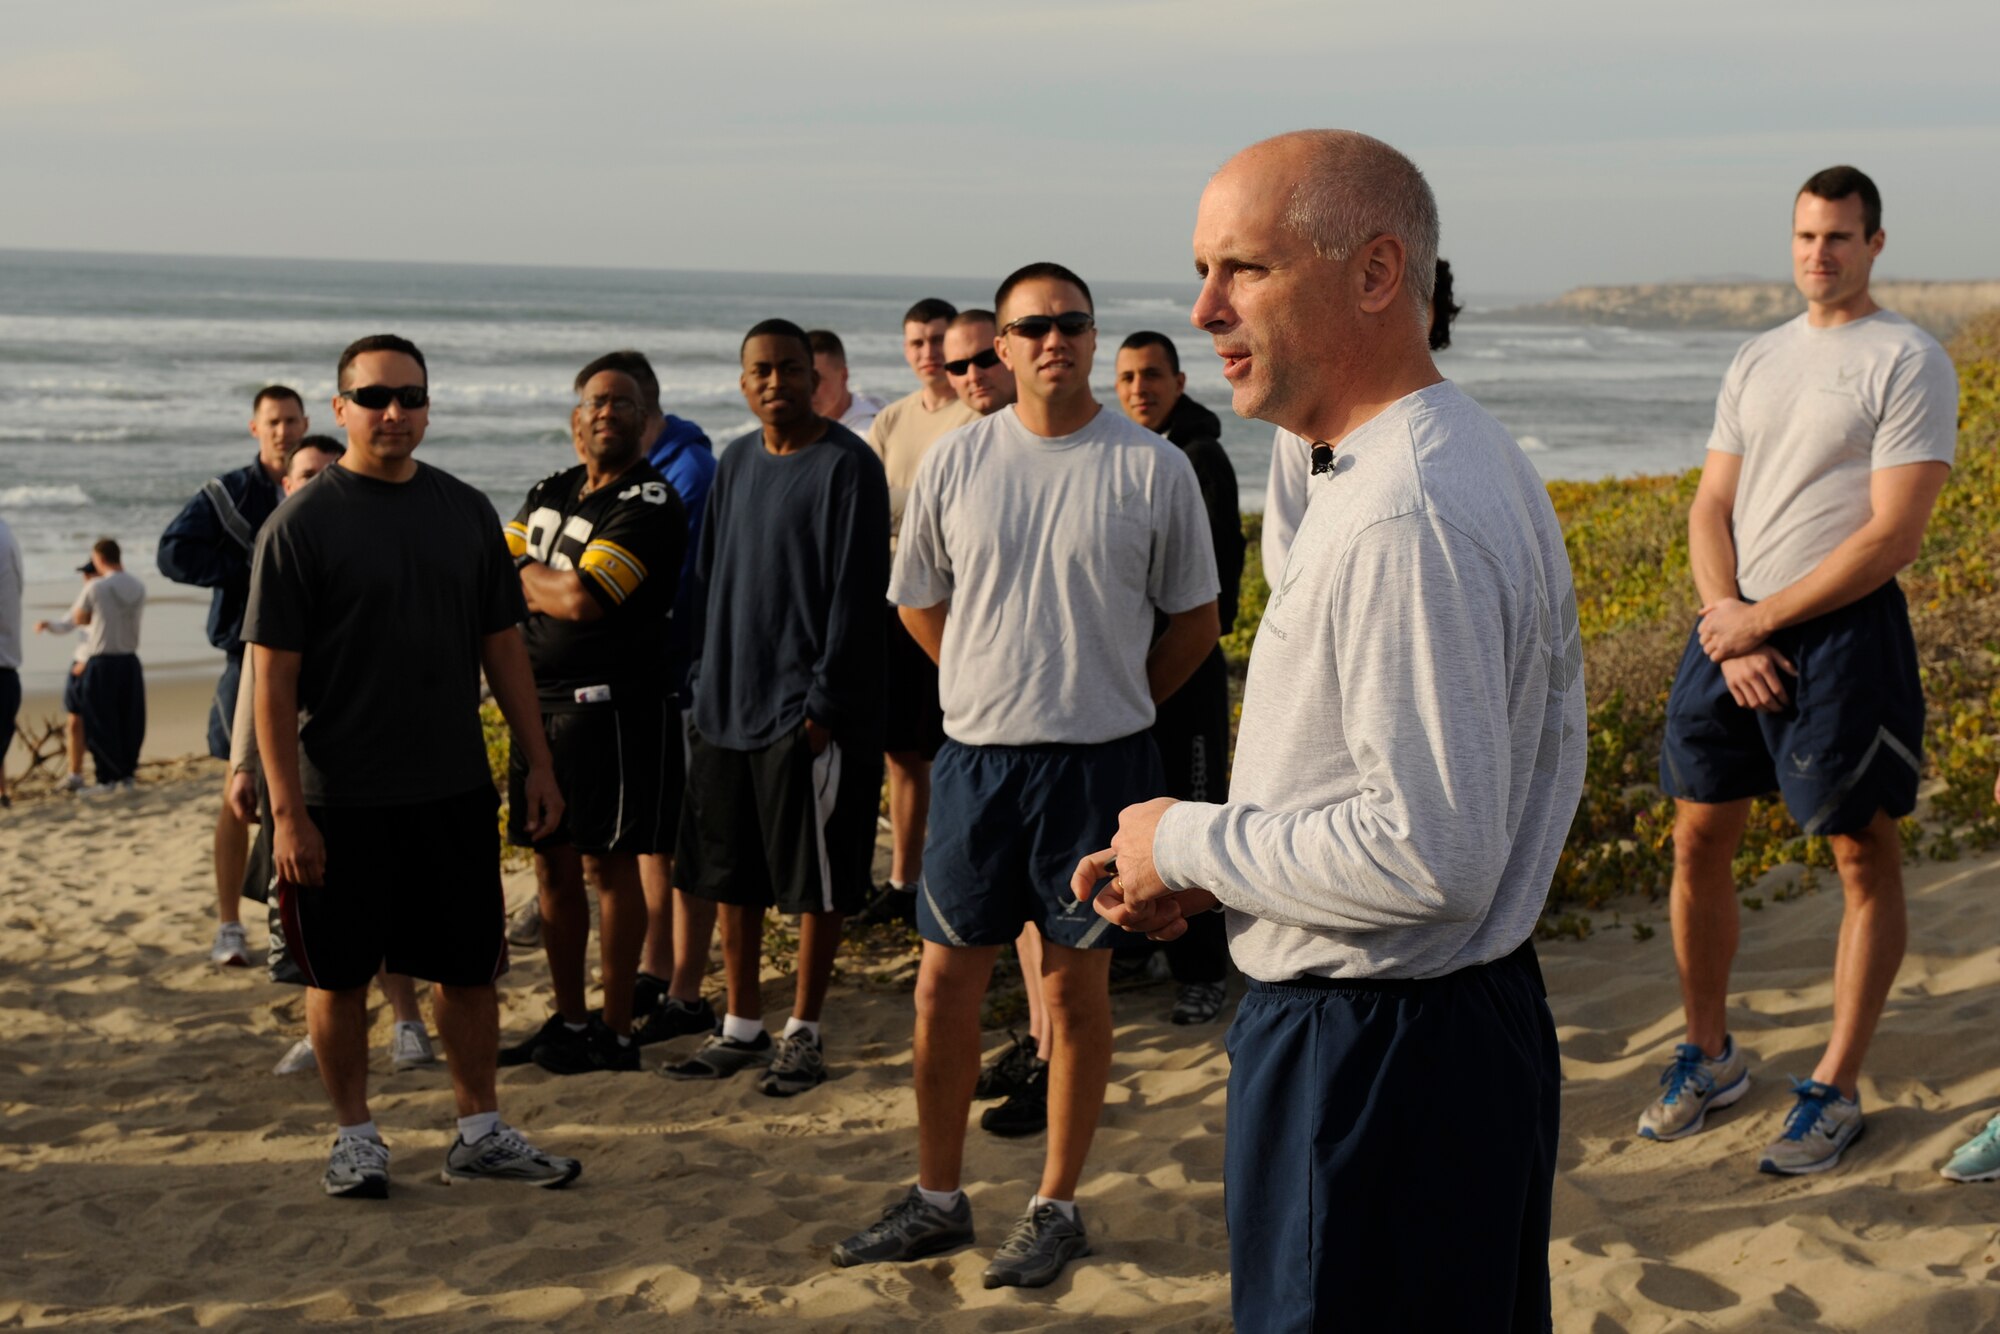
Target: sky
1568,143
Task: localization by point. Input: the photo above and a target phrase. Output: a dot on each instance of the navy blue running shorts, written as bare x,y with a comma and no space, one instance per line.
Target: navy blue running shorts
1008,825
1390,1154
222,709
1847,744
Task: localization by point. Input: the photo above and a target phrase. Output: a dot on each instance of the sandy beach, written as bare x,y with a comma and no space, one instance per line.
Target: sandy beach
156,1171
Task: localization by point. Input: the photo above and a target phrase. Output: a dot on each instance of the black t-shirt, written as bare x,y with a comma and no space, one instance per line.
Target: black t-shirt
626,540
388,590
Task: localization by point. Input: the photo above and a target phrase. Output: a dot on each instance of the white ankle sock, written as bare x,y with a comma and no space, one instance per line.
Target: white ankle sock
899,886
1068,1207
796,1025
366,1130
946,1200
478,1126
743,1030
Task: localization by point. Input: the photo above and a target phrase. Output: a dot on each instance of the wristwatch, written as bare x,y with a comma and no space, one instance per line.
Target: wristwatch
523,561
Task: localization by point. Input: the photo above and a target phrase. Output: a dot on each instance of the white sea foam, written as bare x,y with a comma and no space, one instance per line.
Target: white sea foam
43,497
1532,444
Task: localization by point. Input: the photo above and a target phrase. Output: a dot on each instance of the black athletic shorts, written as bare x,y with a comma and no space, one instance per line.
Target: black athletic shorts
620,770
73,692
779,827
415,887
913,718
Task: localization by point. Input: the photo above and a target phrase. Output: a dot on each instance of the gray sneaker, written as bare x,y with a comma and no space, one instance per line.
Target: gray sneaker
1037,1249
1818,1129
1695,1084
506,1155
358,1169
797,1065
910,1229
524,925
719,1057
231,949
410,1048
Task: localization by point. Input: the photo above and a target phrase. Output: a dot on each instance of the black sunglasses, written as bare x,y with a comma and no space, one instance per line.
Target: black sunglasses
984,360
1069,324
376,397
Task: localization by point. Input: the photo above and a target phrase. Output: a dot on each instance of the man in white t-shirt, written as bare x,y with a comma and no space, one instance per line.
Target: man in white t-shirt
832,399
112,689
1834,434
1038,544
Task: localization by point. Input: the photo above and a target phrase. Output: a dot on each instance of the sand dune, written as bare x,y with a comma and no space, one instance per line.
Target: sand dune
156,1172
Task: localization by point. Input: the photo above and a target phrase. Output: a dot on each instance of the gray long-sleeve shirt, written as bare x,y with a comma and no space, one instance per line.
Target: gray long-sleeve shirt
1412,746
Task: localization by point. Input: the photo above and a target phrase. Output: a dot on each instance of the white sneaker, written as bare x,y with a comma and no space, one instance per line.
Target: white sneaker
298,1059
72,783
410,1048
231,948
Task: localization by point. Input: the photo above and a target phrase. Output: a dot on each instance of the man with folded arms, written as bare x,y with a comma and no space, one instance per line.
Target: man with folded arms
377,596
1039,543
1410,758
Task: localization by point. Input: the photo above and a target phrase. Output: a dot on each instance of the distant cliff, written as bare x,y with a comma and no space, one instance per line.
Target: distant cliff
1939,307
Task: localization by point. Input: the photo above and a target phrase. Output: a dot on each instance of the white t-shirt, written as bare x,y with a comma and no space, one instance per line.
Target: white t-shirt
115,601
12,582
861,412
1284,498
1813,413
1054,554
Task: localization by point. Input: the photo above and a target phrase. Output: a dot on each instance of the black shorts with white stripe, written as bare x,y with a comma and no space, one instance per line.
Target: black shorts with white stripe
781,827
620,769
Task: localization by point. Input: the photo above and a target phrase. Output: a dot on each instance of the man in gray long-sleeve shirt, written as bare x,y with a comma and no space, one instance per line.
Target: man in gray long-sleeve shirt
1411,755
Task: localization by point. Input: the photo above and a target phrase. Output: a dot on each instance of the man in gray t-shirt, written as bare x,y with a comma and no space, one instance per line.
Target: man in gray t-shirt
1037,545
1833,436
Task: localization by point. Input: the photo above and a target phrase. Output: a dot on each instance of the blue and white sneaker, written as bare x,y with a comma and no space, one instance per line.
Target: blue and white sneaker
1978,1159
1818,1129
1695,1084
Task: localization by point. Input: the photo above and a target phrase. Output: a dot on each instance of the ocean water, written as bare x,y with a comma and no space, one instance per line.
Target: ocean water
125,381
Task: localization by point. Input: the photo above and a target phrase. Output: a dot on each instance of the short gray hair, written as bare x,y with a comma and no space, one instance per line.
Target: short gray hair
1355,188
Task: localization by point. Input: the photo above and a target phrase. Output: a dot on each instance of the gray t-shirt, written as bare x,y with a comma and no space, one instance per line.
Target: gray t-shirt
1054,554
1412,747
12,581
114,601
1814,412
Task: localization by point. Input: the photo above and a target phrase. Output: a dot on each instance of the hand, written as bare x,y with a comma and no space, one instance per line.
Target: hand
1156,919
1754,682
298,850
545,800
817,738
242,796
41,627
76,669
1730,628
1132,849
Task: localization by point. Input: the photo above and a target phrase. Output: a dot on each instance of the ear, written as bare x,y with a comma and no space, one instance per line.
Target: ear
1875,243
253,427
340,411
1180,381
1379,274
1000,345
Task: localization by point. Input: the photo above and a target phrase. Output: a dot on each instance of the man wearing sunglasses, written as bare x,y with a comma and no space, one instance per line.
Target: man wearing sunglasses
900,436
984,382
377,597
1038,545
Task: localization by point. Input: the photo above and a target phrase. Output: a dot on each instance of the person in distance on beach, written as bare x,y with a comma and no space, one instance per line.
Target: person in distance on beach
599,549
72,697
784,775
208,545
1834,433
13,582
1192,730
382,805
1291,456
833,399
111,690
1410,758
1038,545
900,436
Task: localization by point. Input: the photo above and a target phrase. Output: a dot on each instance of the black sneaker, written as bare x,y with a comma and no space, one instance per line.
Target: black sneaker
596,1048
1131,972
889,905
647,992
1198,1003
721,1057
553,1029
670,1018
1026,1111
1009,1068
1045,1240
910,1229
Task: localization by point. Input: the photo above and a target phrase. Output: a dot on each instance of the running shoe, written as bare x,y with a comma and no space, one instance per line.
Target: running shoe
231,948
1026,1111
1036,1250
1135,972
720,1057
410,1048
1978,1159
298,1059
889,905
1198,1003
909,1229
1818,1130
1008,1070
72,783
506,1155
553,1029
596,1048
357,1169
670,1019
797,1064
1695,1085
524,925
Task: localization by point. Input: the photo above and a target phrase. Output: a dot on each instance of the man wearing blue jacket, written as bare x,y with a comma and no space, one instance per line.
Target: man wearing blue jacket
208,545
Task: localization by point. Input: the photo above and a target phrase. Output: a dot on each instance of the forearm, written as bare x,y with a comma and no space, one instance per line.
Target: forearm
557,593
1712,553
512,680
243,723
277,713
1187,640
1868,559
926,626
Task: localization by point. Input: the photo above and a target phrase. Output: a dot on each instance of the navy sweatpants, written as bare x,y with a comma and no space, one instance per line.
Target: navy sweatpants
1391,1153
113,694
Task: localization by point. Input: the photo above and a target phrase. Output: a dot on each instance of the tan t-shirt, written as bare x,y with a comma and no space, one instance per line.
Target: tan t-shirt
901,435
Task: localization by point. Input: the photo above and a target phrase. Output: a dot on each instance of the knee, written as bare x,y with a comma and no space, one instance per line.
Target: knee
1075,1000
944,990
1700,844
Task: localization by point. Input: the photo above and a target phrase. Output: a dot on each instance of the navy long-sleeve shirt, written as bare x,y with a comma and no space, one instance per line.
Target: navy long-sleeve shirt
789,581
210,541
